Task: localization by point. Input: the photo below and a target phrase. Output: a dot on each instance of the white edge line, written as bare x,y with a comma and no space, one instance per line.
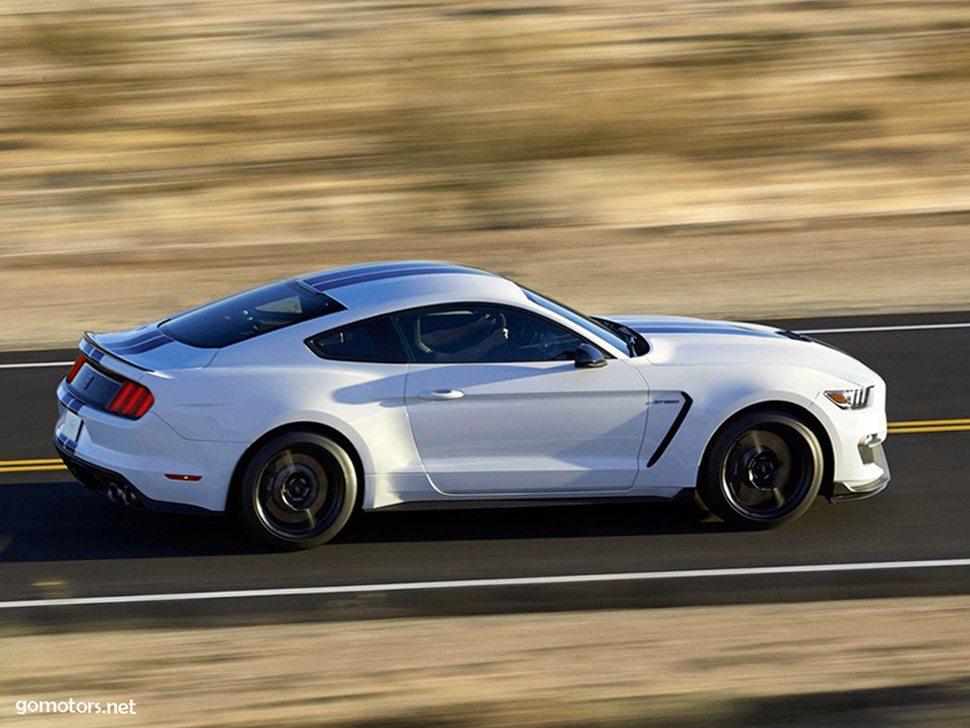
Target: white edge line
37,364
483,583
871,329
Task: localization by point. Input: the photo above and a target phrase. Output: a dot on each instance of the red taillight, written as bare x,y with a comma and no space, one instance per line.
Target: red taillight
81,361
131,401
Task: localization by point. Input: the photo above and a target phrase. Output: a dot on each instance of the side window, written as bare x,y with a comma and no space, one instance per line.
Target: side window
371,341
482,333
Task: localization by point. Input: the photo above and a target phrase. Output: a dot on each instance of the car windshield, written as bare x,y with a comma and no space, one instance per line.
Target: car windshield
245,315
593,327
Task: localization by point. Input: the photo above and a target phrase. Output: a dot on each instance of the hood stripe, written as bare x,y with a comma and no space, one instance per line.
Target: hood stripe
717,330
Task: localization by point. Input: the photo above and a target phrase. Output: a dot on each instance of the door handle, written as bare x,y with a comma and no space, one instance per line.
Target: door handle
441,394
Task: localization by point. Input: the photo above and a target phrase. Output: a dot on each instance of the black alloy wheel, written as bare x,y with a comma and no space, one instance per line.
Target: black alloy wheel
764,470
297,491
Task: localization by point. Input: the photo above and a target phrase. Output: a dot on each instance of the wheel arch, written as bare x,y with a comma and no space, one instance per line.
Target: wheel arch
796,410
299,426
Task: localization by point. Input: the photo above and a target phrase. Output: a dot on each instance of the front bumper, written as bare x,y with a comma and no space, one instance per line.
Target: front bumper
844,492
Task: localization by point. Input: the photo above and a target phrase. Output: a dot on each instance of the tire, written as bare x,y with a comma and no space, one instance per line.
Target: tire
297,491
764,470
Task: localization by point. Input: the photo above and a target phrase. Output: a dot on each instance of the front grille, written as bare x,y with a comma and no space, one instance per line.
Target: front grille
863,397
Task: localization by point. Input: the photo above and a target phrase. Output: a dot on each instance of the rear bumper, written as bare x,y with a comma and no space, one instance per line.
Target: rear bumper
142,453
103,481
845,492
138,454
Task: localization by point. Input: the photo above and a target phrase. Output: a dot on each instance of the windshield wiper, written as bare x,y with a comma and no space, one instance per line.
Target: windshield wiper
631,337
631,340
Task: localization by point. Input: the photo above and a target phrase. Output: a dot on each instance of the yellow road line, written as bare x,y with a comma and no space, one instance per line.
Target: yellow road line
895,428
33,468
914,430
44,461
929,423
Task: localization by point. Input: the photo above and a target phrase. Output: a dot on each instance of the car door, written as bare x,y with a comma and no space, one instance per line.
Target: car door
498,407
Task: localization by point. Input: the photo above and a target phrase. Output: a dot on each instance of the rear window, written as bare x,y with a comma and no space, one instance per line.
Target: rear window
249,314
369,341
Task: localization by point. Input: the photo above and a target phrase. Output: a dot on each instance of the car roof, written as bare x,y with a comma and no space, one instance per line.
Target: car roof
391,285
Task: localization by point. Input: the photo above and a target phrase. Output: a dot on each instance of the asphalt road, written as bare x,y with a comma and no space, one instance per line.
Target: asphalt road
58,540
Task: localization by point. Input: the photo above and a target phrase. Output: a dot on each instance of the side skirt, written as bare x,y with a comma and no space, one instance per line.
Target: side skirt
682,495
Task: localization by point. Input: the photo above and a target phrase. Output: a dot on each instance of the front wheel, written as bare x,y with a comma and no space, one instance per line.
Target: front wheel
297,491
763,471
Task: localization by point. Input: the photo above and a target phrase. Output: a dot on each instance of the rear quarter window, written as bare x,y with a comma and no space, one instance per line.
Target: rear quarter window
249,314
375,340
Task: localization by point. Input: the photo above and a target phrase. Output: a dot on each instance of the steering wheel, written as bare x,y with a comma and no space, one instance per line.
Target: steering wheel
519,334
526,338
495,321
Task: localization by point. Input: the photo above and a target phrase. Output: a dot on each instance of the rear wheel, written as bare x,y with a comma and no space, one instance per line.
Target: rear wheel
297,491
763,471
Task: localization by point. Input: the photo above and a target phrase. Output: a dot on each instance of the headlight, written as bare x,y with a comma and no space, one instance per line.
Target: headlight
850,399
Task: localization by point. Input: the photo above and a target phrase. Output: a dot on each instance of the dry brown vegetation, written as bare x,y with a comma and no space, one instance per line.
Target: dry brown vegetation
891,662
699,156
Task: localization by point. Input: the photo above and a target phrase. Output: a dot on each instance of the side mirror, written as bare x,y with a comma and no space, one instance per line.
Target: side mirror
589,357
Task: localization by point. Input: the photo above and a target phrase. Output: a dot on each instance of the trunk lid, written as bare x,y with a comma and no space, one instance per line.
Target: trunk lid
148,348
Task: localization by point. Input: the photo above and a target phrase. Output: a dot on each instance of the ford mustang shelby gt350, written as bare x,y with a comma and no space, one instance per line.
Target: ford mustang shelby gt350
293,404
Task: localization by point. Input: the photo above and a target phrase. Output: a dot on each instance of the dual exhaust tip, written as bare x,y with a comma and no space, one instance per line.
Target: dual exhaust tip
121,494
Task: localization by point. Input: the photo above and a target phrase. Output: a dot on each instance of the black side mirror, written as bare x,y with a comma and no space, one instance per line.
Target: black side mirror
589,357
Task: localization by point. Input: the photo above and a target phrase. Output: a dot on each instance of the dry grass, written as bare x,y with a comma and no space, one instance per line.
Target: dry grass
878,662
385,129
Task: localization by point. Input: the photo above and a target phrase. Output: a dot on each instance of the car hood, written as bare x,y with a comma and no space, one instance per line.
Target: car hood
678,340
657,325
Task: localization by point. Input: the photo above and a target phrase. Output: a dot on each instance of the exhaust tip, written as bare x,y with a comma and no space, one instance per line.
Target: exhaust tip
114,493
127,497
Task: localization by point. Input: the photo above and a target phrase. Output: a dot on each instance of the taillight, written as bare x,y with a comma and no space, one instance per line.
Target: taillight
131,401
81,361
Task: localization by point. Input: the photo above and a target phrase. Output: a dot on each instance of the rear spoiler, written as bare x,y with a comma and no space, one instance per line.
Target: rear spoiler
95,352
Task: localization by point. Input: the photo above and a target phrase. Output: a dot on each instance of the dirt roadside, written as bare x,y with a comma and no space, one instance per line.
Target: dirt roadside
878,662
742,271
732,158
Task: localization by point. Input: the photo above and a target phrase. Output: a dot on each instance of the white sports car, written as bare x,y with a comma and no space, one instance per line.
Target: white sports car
378,385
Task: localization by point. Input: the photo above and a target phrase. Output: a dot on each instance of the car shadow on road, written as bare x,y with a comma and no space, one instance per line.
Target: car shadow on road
63,521
534,522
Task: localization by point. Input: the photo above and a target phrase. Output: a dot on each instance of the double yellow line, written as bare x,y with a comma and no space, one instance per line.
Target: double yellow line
895,428
30,466
906,428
